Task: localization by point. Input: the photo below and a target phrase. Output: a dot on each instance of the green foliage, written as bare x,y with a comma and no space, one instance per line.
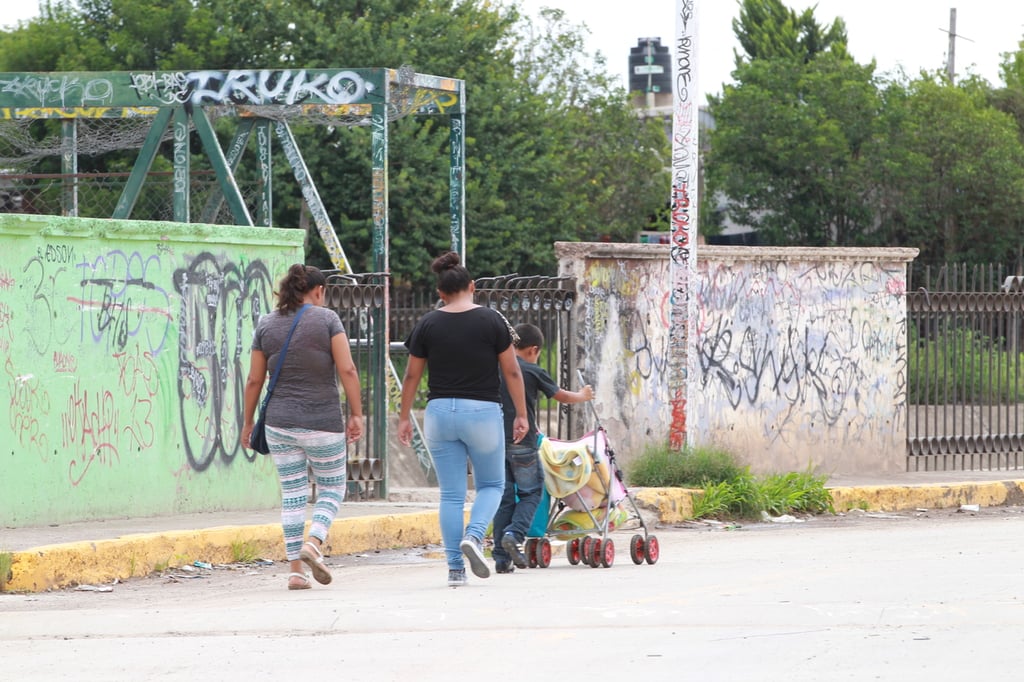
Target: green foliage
716,501
795,492
949,173
747,496
6,562
963,366
788,149
729,490
554,150
663,466
244,551
813,149
767,29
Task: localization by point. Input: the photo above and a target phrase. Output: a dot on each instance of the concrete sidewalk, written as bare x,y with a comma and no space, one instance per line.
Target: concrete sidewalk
53,557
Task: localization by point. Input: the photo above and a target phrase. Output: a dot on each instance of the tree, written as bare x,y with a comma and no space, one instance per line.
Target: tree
553,148
949,172
767,29
788,149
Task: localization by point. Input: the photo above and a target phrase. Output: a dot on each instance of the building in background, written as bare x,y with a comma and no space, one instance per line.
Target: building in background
650,76
651,93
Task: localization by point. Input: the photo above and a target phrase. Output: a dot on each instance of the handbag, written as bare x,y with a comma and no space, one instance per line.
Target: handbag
258,437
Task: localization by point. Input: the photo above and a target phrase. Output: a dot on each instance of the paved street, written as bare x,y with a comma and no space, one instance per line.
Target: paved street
935,596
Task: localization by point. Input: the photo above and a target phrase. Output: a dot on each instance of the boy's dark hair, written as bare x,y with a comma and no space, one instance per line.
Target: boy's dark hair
529,335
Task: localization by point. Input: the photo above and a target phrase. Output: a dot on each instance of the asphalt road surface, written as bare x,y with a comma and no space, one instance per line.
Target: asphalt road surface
915,596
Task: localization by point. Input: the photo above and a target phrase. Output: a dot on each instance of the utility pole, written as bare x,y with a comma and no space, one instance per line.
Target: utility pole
951,54
951,59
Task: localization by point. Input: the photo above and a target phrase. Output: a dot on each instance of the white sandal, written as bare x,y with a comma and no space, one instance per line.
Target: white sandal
314,558
304,585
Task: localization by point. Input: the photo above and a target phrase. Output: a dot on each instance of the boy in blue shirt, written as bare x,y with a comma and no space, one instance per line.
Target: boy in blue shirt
524,478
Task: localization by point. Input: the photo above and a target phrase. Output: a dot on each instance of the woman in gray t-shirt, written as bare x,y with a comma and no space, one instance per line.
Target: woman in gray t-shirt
305,426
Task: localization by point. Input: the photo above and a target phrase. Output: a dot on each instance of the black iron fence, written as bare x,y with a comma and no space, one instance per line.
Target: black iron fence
965,369
547,302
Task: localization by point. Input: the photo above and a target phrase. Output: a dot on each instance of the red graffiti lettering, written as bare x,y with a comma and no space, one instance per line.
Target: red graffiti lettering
89,428
137,381
677,429
64,363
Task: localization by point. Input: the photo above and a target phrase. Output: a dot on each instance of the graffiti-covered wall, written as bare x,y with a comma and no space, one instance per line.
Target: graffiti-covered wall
125,350
800,354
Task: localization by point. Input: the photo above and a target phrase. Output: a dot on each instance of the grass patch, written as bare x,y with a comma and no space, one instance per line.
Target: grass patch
661,466
6,562
961,364
244,551
748,496
729,490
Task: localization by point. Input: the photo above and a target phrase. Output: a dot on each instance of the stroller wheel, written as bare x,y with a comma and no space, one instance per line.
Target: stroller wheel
542,552
585,548
608,553
594,558
572,551
636,549
652,550
531,550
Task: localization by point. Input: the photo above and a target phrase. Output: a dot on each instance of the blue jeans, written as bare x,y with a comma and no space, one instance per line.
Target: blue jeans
456,431
523,480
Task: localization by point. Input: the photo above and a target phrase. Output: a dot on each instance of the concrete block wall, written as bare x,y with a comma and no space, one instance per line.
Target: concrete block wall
798,354
125,349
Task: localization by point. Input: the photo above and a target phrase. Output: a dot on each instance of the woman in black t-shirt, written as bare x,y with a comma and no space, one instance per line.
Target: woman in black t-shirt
463,345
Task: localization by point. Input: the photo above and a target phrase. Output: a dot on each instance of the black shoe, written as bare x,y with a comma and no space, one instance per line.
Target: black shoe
511,545
503,567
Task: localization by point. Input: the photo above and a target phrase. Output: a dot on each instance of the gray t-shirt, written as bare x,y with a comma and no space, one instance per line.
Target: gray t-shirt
306,394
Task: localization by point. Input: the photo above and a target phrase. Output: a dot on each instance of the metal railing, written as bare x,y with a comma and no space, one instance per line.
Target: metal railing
359,302
547,302
965,372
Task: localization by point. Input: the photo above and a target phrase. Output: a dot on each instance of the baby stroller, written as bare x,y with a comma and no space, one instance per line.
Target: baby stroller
588,500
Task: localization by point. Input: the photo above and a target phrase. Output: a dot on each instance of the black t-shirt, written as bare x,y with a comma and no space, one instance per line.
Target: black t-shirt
461,350
535,378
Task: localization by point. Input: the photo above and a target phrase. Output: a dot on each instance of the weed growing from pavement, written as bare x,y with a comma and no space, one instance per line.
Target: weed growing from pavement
6,561
244,551
661,466
727,489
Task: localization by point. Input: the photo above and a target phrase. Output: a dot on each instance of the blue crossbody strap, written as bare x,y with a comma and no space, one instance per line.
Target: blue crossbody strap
280,358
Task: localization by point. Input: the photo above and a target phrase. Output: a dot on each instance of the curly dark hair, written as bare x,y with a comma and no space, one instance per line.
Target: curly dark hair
452,277
297,282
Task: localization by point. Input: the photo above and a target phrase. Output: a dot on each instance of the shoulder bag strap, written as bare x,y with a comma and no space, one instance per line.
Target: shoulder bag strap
280,358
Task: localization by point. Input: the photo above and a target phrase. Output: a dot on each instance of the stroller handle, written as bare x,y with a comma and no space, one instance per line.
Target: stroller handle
590,403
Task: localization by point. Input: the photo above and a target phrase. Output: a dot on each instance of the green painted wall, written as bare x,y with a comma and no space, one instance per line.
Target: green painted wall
125,348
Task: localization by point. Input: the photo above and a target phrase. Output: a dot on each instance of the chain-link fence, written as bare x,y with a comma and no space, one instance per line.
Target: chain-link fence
96,195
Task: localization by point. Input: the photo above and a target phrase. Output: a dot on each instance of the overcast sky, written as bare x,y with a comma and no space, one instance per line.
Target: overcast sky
911,33
907,33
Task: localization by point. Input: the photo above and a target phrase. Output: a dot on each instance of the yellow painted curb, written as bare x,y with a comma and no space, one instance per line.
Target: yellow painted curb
897,498
672,504
77,563
64,565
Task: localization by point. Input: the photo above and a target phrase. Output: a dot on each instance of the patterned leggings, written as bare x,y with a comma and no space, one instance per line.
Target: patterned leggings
293,451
